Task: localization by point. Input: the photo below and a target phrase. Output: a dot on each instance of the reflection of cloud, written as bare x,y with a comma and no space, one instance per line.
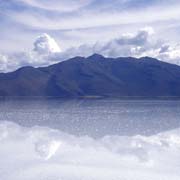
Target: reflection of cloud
47,148
107,158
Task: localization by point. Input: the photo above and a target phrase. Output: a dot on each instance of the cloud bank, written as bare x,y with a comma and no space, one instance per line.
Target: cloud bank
46,50
42,153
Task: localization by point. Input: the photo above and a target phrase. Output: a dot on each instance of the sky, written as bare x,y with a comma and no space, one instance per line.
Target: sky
66,28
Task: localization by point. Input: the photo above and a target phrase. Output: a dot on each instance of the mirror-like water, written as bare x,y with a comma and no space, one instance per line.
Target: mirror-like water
97,117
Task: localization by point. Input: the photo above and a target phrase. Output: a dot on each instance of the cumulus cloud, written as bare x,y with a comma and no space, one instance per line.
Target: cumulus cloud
128,44
170,53
43,53
43,153
44,44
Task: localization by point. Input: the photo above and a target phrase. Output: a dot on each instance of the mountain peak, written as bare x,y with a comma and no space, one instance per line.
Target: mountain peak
96,56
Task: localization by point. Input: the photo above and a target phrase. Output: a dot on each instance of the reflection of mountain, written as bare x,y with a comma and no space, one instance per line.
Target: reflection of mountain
95,76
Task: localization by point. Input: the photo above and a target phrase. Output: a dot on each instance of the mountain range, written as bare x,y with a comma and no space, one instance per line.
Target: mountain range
95,76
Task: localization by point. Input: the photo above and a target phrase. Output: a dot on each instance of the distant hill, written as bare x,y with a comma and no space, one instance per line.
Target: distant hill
95,76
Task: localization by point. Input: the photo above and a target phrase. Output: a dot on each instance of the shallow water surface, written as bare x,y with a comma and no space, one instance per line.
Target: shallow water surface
94,117
89,139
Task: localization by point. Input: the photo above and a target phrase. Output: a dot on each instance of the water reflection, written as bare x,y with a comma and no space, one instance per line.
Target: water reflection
97,117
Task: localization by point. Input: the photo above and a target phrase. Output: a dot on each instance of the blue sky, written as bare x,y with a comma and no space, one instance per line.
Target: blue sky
74,23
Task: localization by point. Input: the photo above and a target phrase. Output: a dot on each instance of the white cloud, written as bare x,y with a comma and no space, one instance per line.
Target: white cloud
82,21
56,5
44,44
85,18
89,20
130,44
43,54
170,53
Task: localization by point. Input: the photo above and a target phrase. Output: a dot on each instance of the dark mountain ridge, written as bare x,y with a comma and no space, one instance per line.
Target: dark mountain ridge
95,76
